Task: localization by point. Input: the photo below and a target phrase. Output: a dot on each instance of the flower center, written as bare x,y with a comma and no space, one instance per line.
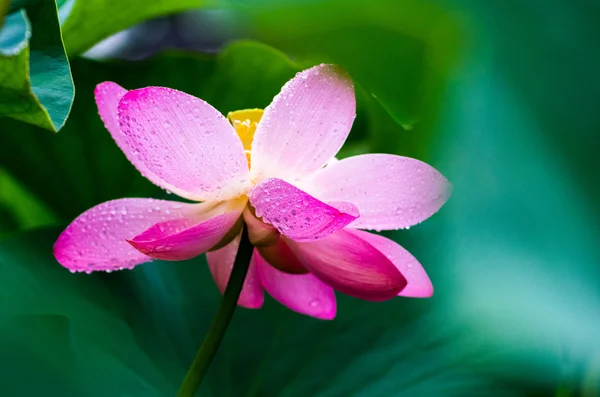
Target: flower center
245,122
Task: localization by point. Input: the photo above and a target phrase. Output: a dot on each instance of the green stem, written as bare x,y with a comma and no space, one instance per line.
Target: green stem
213,339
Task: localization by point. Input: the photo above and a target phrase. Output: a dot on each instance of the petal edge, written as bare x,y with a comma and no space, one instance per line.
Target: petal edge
390,192
418,283
302,293
305,125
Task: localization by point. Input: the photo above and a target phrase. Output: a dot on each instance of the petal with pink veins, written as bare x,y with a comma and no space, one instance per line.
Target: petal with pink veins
182,239
305,125
418,283
390,192
96,239
182,144
220,263
295,213
303,293
351,265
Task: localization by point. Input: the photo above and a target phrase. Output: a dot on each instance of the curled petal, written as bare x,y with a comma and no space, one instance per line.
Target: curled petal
305,125
303,293
182,239
295,213
182,144
390,192
220,263
418,283
351,265
96,239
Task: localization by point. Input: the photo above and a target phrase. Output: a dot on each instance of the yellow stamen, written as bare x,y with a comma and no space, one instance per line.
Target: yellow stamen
244,122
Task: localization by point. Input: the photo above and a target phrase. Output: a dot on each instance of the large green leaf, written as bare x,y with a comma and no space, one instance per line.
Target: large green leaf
89,21
398,51
35,79
76,332
134,333
519,141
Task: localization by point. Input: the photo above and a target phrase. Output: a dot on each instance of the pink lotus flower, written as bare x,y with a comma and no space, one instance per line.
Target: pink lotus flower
274,172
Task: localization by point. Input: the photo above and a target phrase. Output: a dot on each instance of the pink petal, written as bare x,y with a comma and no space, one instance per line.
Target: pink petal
296,214
182,144
182,239
305,125
220,263
303,293
96,239
108,95
351,265
280,256
418,283
390,192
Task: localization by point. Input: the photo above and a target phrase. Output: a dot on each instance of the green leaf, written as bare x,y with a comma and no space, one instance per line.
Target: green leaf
19,208
247,75
76,332
90,21
135,333
519,141
397,51
40,339
35,79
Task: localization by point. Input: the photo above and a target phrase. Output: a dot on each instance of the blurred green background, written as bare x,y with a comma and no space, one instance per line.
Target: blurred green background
501,96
